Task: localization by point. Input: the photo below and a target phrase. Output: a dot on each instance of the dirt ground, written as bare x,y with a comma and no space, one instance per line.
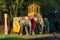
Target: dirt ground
1,29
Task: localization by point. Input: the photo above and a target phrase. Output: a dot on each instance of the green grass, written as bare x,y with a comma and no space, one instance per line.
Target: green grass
2,36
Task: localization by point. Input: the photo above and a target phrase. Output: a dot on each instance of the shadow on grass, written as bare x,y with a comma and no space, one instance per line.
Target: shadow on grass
45,38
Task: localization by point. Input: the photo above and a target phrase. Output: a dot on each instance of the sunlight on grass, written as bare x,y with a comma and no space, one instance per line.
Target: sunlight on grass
24,36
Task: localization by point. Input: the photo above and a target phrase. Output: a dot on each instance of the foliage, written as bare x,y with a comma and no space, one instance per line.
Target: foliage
19,7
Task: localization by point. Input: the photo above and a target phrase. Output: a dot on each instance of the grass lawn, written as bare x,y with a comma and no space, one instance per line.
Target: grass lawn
21,37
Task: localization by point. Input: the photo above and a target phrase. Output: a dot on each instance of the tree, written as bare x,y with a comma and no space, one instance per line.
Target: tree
12,7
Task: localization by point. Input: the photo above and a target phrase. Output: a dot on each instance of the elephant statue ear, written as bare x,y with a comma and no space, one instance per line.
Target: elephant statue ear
35,18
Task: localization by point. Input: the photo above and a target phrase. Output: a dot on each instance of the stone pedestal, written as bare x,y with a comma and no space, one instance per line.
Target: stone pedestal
6,29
